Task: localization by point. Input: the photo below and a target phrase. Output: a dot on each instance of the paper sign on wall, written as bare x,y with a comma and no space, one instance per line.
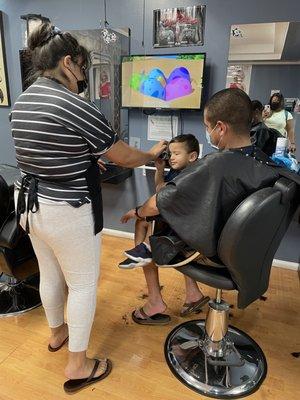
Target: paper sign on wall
162,127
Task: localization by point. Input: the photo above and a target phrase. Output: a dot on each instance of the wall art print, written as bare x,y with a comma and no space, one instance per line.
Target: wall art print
4,91
178,27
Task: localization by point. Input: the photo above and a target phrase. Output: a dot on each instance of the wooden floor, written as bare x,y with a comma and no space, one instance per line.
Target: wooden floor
29,371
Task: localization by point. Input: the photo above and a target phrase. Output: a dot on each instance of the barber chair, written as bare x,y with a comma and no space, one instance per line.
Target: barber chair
209,356
16,296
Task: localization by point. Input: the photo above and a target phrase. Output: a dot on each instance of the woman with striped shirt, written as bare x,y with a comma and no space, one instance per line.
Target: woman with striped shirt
58,138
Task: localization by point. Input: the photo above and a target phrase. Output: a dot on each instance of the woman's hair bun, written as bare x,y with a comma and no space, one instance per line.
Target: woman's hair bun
40,35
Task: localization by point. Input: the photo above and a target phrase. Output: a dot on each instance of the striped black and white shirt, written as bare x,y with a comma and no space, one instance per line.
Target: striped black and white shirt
56,133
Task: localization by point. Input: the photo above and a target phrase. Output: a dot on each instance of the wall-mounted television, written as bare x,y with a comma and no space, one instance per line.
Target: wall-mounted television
172,81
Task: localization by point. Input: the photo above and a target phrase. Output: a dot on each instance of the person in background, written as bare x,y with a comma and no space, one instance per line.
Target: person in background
263,137
278,118
58,138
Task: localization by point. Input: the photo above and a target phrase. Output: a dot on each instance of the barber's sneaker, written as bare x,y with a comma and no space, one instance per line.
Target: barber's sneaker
139,253
130,264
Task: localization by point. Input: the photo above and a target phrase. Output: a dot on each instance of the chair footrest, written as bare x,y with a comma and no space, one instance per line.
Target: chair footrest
217,362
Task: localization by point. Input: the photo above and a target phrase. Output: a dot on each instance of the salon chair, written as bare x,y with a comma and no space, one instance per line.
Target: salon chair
209,356
16,295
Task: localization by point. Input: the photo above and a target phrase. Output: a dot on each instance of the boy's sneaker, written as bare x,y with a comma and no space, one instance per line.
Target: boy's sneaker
130,264
140,253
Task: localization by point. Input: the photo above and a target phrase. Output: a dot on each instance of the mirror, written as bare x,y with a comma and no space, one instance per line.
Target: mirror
264,59
107,46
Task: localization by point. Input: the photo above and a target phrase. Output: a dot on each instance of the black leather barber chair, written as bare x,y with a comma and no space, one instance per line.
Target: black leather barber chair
208,356
16,295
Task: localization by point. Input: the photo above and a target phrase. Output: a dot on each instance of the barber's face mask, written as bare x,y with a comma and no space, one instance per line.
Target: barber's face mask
208,138
81,83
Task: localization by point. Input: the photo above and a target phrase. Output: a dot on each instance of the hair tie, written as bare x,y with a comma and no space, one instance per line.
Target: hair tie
54,32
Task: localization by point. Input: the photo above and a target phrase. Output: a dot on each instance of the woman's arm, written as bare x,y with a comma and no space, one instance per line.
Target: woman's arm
122,154
101,138
291,134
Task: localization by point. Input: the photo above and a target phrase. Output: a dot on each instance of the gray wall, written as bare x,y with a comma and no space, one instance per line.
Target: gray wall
82,14
264,78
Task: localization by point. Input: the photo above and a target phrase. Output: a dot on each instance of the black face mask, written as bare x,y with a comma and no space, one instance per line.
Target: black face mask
81,84
275,106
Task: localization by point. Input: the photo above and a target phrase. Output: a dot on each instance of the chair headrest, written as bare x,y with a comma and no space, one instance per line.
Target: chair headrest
287,188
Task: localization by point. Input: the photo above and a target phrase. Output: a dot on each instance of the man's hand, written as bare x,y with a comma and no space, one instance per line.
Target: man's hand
158,148
129,215
266,113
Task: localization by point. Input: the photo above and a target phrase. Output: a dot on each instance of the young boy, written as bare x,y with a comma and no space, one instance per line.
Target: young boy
183,150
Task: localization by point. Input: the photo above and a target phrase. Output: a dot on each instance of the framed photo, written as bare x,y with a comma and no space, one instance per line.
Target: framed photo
102,83
178,27
4,91
239,76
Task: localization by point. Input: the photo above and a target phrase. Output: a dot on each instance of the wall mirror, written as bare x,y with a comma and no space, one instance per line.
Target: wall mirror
107,46
263,59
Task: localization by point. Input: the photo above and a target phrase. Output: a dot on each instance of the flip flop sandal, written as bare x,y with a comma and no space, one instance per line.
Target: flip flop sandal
156,319
53,349
194,307
73,385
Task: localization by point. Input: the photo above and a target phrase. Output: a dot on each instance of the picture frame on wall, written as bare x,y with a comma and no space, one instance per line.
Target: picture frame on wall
4,89
102,82
179,27
239,76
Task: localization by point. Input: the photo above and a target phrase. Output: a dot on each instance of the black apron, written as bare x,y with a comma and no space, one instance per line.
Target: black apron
92,176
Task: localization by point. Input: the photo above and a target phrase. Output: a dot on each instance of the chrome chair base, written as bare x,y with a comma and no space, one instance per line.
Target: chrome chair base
18,297
239,373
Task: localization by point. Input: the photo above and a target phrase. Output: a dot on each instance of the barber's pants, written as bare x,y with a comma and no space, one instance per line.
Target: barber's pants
68,254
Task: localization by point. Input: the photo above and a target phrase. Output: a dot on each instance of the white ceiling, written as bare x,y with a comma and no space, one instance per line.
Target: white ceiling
258,41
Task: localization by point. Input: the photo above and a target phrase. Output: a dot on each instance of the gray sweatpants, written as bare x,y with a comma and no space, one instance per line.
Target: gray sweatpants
68,254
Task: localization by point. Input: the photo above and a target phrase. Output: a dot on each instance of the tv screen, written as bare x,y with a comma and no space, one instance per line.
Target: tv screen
163,81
